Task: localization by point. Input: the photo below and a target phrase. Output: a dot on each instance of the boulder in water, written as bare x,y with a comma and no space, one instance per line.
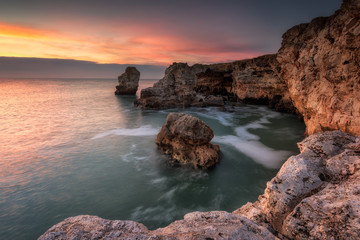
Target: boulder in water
128,82
187,140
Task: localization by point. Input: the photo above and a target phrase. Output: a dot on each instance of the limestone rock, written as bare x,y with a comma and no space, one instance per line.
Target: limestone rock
214,225
253,81
320,64
92,227
128,82
196,225
315,195
187,140
257,81
177,89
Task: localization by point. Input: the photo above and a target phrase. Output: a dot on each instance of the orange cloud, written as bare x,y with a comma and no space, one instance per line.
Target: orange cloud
136,45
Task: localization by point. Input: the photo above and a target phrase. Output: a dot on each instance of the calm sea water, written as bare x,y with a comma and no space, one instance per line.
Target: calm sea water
70,147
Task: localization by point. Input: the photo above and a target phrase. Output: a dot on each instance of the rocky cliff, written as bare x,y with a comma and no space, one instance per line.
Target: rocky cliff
254,81
321,65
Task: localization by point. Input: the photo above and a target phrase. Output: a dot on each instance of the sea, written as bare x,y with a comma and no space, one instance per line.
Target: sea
70,147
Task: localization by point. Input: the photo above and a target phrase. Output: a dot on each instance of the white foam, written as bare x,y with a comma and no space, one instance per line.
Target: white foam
146,130
260,153
160,180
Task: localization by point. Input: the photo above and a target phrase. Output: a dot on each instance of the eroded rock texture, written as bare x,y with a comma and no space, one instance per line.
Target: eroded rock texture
321,65
187,140
128,82
315,195
177,89
257,81
195,226
251,81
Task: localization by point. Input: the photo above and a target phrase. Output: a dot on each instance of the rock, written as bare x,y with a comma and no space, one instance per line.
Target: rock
214,225
92,227
187,140
257,81
176,89
320,64
315,195
254,81
196,225
128,82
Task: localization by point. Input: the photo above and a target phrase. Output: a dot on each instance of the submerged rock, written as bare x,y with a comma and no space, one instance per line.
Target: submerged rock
187,140
128,82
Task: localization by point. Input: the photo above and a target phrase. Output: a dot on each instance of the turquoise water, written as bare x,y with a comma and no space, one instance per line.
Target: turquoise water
70,147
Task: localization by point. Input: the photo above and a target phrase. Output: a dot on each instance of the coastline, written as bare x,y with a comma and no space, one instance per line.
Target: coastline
315,194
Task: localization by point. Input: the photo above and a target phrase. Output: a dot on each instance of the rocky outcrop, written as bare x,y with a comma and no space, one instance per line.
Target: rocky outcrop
253,81
315,195
321,66
177,90
257,81
187,140
128,82
196,225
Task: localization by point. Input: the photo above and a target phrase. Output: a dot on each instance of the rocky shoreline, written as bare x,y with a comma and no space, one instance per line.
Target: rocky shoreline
315,195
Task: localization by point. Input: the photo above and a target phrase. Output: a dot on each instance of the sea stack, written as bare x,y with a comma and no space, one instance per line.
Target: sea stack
128,82
187,140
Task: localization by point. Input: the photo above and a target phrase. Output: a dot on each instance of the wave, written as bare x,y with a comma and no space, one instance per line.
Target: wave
259,152
146,130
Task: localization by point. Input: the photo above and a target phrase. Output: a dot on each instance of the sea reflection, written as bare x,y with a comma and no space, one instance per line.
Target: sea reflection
71,147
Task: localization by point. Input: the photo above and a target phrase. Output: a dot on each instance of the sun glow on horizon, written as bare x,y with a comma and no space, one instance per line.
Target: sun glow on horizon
123,47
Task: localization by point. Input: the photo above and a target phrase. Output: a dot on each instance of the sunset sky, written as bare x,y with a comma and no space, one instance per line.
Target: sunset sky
149,32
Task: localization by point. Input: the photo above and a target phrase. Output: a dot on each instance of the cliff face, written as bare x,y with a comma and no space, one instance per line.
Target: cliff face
253,81
321,65
257,81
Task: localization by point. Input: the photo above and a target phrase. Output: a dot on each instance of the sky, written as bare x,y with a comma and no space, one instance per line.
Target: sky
147,32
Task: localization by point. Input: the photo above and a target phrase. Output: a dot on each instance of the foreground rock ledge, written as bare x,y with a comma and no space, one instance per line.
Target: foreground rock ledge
187,140
315,195
128,82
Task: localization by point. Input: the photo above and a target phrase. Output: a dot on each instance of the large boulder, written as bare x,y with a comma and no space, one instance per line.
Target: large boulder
315,195
320,64
128,82
187,140
194,226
